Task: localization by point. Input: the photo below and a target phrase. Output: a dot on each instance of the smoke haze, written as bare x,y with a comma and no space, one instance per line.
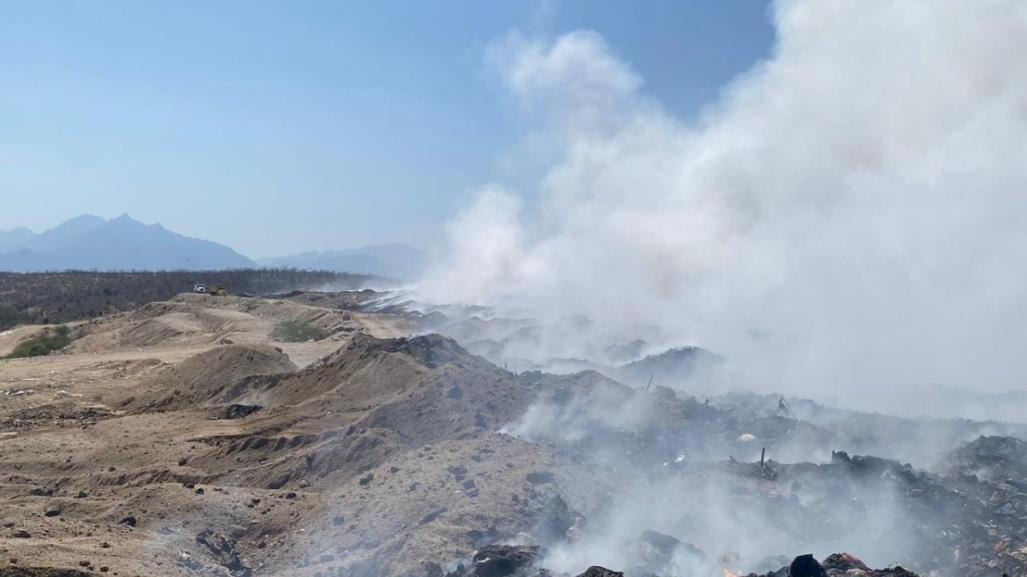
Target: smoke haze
848,218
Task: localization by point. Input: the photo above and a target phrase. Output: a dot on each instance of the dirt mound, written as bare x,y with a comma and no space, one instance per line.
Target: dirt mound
425,387
214,377
343,300
325,317
160,323
201,320
370,401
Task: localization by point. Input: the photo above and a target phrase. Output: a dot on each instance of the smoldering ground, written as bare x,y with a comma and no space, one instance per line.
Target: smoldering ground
847,222
740,481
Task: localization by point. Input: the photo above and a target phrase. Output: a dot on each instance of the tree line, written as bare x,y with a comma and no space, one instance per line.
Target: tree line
59,297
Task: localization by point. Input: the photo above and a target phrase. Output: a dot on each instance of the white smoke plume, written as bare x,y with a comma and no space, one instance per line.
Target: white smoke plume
849,217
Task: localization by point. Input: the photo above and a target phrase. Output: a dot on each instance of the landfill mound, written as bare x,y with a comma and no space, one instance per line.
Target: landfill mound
992,458
328,320
423,387
197,320
362,300
153,324
387,456
378,459
372,400
213,377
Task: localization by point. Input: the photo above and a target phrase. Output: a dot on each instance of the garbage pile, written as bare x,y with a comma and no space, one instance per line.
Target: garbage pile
961,511
837,565
523,561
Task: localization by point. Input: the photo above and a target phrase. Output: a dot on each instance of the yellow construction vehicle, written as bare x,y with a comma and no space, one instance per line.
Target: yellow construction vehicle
218,291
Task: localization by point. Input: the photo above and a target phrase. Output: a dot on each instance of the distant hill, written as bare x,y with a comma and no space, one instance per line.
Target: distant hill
92,243
397,261
25,260
65,233
14,239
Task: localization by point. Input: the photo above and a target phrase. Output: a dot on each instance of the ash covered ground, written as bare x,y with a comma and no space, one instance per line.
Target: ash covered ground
189,437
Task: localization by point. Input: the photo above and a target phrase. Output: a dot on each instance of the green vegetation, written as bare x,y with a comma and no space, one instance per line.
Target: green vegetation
44,344
297,332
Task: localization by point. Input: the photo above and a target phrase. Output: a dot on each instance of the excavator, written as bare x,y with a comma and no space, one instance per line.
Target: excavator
214,290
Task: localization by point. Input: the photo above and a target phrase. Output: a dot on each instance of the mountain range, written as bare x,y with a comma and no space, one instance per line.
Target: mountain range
90,242
392,260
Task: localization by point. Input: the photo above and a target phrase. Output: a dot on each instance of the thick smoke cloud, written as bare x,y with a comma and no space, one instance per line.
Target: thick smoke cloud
849,218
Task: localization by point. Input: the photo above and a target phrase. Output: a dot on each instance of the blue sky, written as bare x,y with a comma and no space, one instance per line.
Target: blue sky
277,127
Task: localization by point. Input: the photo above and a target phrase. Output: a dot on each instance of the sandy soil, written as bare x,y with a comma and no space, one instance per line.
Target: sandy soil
364,456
